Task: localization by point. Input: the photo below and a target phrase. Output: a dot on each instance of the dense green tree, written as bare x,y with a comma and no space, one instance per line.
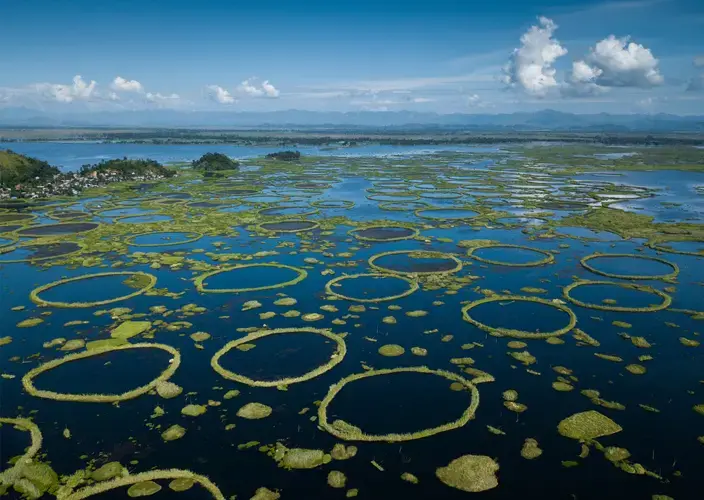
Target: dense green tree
211,162
20,169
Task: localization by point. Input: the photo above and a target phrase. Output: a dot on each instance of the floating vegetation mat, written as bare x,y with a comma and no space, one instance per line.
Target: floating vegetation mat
256,332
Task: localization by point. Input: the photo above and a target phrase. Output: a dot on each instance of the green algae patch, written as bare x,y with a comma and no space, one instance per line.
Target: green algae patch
388,320
335,358
200,336
29,323
72,345
666,299
285,301
532,289
254,411
182,484
636,369
299,458
391,350
683,340
588,425
149,279
519,334
471,473
108,471
28,379
191,236
531,450
548,258
348,432
130,329
416,314
419,351
609,357
193,410
168,390
201,285
413,286
409,478
337,479
265,494
310,317
5,340
173,433
560,386
20,467
342,452
585,261
523,357
621,324
251,304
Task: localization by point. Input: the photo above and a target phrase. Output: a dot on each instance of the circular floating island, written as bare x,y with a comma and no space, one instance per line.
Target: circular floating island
548,257
585,261
60,229
289,226
145,280
384,232
200,280
417,254
335,359
191,236
666,299
413,286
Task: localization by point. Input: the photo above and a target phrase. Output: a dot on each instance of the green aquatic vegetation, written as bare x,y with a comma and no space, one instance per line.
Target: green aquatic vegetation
246,347
71,345
587,426
251,304
265,494
192,410
254,411
548,258
699,409
684,341
68,493
30,322
412,232
416,314
616,454
496,431
636,369
640,342
108,471
342,452
389,320
200,280
585,261
520,334
192,236
176,431
562,386
515,344
232,393
28,379
419,351
285,301
409,478
200,336
17,471
649,408
462,361
515,407
335,358
329,308
621,324
337,479
310,317
182,484
530,289
416,254
104,343
357,308
391,350
510,395
472,473
348,432
609,357
531,449
34,294
5,340
130,329
666,299
524,357
583,338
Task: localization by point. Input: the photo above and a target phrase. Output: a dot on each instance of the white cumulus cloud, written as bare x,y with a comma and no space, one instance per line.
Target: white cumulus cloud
269,89
530,67
120,84
160,98
265,89
624,64
220,95
78,90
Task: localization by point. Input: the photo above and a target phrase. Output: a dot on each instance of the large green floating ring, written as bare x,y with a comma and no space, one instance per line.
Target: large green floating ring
417,254
413,233
11,240
548,259
36,444
34,294
282,223
200,280
8,218
413,287
345,204
130,239
666,299
519,334
9,249
348,432
335,359
657,246
28,384
672,275
154,475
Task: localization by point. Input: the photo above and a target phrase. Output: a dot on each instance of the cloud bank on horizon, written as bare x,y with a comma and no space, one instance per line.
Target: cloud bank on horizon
541,71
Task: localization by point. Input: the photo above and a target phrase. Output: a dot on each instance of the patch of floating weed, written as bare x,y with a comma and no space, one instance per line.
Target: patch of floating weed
200,280
416,254
130,329
636,369
391,350
15,473
67,493
334,360
28,384
413,286
254,411
337,479
34,294
666,299
191,237
265,494
348,432
684,341
531,449
519,334
193,410
472,473
548,259
419,351
670,276
384,232
588,425
310,317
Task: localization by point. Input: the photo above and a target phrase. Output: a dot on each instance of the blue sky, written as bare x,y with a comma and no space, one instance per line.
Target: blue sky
444,56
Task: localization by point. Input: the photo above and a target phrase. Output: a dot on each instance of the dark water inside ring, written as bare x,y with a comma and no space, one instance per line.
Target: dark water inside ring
384,233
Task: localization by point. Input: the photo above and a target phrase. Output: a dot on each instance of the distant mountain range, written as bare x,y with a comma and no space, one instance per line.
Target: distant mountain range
548,120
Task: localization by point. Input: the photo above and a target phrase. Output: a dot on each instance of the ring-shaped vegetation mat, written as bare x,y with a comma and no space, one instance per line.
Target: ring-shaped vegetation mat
60,229
208,204
412,288
348,432
675,268
39,251
547,259
439,213
288,211
440,194
403,206
200,280
144,219
146,282
9,240
10,228
662,246
666,299
519,334
265,198
393,197
288,226
68,214
154,475
384,232
191,236
339,204
124,211
416,254
28,379
14,218
335,359
36,443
